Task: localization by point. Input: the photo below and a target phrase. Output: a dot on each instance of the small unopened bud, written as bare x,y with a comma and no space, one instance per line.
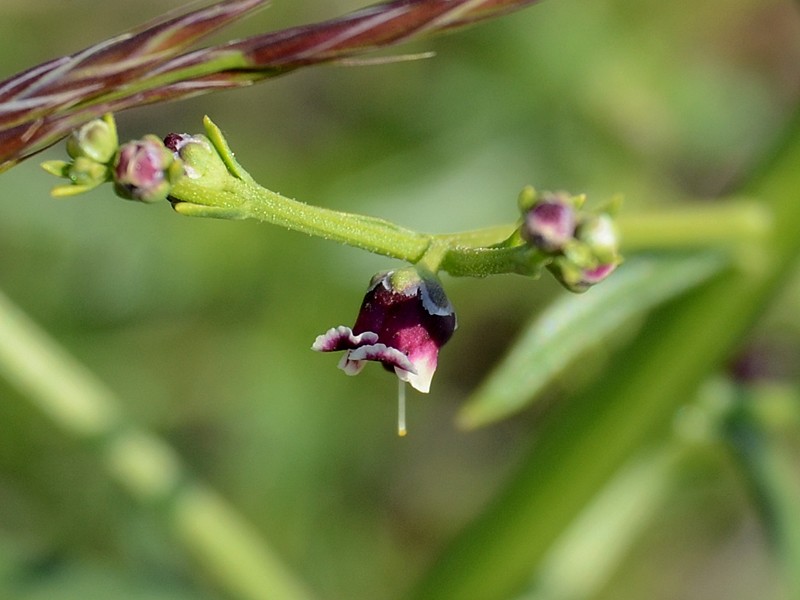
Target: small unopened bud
600,236
86,172
597,274
176,141
571,275
550,223
146,170
577,277
96,140
200,159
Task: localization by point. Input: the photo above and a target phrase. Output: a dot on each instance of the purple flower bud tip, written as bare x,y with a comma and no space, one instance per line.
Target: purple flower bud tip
145,170
577,278
404,319
176,141
596,275
550,223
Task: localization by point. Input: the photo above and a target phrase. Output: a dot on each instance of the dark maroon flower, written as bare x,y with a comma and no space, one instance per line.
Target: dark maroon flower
404,319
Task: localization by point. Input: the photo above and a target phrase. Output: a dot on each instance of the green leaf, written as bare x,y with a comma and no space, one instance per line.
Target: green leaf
574,324
601,537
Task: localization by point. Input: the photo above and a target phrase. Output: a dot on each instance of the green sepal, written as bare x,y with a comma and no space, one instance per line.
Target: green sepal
69,190
224,150
527,198
59,168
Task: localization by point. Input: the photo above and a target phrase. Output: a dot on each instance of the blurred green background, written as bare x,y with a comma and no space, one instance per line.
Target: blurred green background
203,328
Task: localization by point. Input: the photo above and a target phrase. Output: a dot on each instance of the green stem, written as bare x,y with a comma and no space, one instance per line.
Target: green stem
64,390
480,262
475,253
460,254
477,238
725,223
245,200
226,190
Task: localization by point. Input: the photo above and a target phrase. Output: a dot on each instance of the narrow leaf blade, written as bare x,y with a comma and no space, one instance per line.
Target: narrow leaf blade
574,324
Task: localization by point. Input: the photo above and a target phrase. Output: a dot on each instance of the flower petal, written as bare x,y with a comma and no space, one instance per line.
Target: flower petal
342,338
434,300
425,366
351,367
388,356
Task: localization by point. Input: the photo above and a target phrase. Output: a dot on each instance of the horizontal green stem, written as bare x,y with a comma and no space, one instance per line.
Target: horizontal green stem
226,190
477,238
475,253
462,254
481,262
246,200
696,225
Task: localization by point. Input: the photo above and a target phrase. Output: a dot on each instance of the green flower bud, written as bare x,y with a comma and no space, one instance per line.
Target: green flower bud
200,159
600,236
86,172
95,140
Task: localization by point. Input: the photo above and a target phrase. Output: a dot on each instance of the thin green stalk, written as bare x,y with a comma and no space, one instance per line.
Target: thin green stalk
226,190
592,435
245,199
475,253
368,233
477,238
770,470
231,193
728,223
225,545
480,262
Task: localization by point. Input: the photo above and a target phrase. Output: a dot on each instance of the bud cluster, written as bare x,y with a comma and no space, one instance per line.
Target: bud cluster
93,149
143,170
583,244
